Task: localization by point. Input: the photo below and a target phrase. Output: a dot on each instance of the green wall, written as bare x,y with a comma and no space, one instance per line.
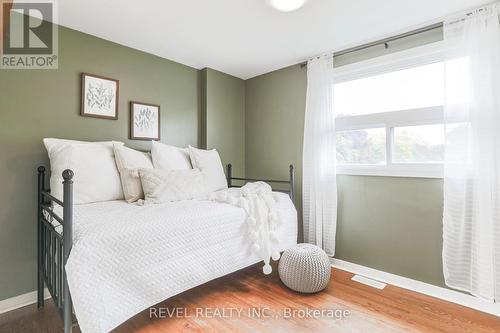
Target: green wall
274,126
387,223
223,117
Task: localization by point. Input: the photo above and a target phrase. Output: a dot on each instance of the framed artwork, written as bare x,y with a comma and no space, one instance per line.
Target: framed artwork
99,97
144,121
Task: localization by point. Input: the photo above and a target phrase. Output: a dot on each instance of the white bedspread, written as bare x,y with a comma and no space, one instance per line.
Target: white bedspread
126,258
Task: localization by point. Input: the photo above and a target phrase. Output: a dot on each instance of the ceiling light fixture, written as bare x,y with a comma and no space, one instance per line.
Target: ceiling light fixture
286,5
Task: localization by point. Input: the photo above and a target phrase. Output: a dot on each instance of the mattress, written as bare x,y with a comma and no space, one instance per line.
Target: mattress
126,258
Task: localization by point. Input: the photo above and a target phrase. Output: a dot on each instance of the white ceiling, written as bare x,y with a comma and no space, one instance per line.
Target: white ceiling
246,38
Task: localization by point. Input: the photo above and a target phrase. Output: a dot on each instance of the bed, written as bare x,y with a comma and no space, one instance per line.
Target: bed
122,258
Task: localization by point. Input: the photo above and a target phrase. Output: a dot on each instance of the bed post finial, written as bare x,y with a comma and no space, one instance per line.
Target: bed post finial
41,169
229,175
68,174
292,181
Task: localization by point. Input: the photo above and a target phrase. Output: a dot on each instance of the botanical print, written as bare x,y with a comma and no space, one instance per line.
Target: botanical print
99,97
145,121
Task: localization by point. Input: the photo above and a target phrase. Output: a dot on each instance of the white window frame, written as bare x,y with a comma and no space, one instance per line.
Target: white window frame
419,56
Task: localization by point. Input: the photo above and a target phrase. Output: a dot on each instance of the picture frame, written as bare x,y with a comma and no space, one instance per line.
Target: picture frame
144,121
99,96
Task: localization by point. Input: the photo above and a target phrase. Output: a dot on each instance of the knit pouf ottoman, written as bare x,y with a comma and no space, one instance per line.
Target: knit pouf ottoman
305,268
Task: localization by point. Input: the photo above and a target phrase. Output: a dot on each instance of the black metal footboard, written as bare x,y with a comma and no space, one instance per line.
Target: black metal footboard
54,245
290,182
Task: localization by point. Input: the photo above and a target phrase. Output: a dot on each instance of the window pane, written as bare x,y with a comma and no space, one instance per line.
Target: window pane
411,88
366,146
419,144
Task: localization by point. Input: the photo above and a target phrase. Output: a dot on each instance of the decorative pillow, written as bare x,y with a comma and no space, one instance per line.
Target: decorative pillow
96,176
210,165
162,185
170,157
129,161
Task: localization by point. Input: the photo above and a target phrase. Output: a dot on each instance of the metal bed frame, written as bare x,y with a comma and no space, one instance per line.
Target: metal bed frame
290,182
55,238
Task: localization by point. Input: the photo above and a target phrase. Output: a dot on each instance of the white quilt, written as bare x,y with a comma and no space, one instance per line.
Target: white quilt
126,258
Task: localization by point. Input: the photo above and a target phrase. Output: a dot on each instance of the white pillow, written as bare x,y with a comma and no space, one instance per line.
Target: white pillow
170,157
162,185
210,165
129,161
93,163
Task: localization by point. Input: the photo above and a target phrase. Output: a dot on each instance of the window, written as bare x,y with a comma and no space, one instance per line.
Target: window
366,146
390,119
411,88
418,144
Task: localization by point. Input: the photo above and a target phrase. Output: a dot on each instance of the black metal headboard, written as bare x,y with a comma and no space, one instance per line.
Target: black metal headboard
290,182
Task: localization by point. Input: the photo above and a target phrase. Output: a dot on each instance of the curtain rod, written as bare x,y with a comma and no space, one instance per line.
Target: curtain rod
385,40
389,39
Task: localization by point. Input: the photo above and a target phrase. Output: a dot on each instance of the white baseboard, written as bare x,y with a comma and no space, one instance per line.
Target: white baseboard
17,302
420,287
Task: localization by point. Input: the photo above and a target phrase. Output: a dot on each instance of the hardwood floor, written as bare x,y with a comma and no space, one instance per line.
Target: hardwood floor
232,304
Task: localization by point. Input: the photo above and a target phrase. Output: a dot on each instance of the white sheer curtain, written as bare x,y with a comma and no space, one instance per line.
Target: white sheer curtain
471,219
319,185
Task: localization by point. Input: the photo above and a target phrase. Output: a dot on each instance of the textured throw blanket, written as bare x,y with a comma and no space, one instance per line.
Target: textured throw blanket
262,218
